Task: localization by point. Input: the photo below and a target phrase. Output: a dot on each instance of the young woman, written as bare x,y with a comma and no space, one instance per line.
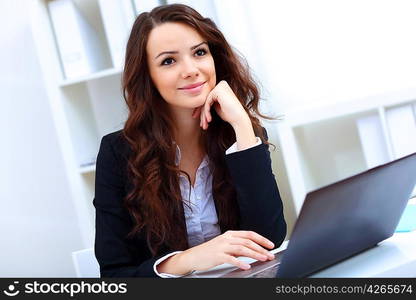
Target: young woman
187,184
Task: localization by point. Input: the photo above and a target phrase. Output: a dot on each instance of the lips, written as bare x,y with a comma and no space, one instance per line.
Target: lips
191,86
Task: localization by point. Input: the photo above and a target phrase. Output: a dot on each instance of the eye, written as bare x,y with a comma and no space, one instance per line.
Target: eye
165,60
168,61
201,50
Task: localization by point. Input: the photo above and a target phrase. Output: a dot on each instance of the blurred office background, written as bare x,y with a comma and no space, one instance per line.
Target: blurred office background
340,73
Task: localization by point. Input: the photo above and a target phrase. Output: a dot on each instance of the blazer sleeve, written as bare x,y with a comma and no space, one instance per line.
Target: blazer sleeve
116,255
261,208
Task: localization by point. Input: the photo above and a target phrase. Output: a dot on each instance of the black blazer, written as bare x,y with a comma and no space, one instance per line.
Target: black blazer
261,208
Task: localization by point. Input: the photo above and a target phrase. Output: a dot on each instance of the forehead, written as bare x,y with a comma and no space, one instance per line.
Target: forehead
172,36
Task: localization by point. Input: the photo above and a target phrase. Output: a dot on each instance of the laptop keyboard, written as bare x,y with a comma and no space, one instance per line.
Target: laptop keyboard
259,269
268,273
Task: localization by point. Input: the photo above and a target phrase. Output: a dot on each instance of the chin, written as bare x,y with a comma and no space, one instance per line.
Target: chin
198,101
202,100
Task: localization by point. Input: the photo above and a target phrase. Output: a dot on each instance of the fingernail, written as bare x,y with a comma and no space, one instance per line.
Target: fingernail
271,244
271,255
246,266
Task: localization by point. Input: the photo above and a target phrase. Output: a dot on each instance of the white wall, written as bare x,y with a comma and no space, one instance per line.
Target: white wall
325,51
38,225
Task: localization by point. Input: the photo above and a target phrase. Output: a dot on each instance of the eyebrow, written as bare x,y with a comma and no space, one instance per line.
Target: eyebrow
174,52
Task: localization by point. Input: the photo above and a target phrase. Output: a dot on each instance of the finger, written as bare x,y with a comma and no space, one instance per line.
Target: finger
209,116
208,111
236,262
201,117
208,103
255,237
205,121
239,250
196,112
252,245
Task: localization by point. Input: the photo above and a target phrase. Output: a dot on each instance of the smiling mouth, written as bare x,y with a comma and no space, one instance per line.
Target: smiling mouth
195,87
195,90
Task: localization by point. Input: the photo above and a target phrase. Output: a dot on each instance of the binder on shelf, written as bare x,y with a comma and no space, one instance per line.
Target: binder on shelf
372,140
401,124
145,6
81,50
118,18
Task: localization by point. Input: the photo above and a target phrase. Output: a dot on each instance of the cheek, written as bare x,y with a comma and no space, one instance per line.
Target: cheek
212,83
212,74
164,83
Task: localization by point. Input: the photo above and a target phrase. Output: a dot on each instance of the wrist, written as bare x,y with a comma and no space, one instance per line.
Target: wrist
242,122
176,265
184,260
244,134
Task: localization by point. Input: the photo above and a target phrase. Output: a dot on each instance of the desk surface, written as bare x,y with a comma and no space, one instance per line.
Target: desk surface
394,257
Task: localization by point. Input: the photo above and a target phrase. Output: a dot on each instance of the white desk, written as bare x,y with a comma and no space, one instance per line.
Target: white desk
394,257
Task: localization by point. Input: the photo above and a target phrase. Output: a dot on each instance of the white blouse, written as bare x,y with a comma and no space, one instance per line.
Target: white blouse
199,208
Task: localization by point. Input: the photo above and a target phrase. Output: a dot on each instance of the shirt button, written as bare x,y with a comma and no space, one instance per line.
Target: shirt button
198,197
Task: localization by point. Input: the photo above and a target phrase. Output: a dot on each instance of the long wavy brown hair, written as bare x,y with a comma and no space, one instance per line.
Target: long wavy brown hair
155,200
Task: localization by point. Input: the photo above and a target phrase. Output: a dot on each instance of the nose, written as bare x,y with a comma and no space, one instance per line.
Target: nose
189,68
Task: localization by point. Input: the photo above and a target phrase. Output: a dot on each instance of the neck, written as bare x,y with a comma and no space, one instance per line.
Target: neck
187,132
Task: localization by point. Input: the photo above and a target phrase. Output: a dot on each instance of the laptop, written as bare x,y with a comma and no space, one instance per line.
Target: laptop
341,220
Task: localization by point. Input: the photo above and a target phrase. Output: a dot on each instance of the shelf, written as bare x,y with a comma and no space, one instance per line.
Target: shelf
93,109
87,169
311,114
330,150
324,144
96,75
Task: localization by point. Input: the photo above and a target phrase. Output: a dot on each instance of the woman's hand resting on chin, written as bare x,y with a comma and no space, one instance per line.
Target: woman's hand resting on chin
225,103
230,109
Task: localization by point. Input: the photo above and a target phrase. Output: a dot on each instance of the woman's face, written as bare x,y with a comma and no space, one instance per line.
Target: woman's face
177,57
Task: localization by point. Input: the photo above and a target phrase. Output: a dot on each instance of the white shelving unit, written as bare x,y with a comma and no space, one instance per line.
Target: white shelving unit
89,105
321,145
80,46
